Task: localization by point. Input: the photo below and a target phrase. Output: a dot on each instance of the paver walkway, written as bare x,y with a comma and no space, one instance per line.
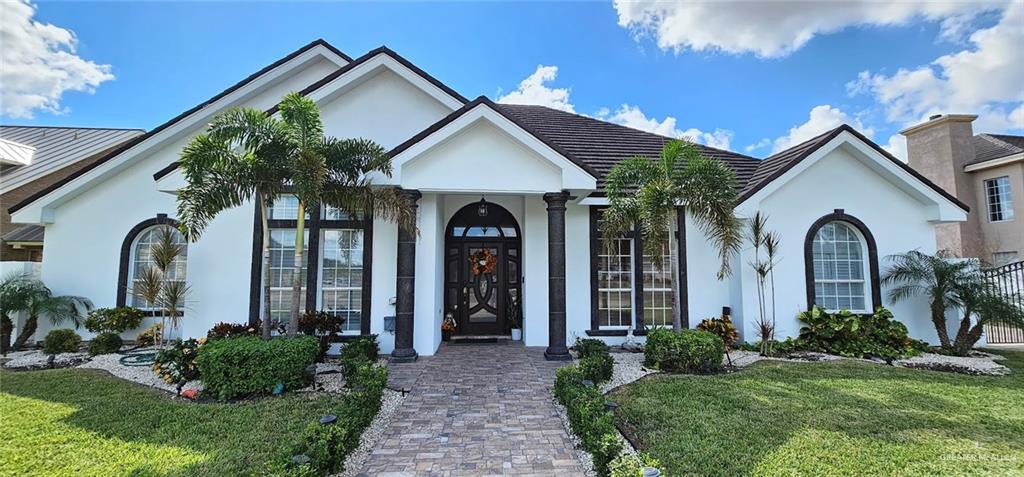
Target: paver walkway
475,410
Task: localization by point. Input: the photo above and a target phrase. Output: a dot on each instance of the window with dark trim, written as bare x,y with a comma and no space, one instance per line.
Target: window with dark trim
135,256
627,289
841,264
340,248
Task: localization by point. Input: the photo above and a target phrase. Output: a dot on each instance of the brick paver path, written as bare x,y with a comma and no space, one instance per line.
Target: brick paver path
475,410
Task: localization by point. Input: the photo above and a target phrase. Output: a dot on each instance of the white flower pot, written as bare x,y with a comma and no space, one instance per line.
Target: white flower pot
517,334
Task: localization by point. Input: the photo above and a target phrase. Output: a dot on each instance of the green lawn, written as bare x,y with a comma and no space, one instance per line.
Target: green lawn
85,422
844,418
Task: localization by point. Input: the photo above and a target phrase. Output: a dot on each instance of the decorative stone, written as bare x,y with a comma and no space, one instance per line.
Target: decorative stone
300,459
328,419
651,472
588,383
190,393
611,406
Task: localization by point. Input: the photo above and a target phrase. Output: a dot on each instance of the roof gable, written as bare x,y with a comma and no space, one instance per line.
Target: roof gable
774,170
189,118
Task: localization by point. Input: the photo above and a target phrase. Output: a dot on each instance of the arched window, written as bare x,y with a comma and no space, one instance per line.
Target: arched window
137,257
842,265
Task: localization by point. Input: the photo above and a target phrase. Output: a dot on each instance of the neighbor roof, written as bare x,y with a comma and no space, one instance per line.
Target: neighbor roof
994,146
56,148
25,234
129,144
779,163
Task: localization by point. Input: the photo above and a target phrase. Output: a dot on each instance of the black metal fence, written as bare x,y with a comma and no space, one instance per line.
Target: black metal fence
1009,279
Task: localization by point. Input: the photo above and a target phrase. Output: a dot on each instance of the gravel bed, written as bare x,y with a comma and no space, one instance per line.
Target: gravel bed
139,374
628,368
390,403
36,359
328,379
978,365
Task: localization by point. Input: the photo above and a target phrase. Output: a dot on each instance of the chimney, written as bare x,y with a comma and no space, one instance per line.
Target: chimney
939,149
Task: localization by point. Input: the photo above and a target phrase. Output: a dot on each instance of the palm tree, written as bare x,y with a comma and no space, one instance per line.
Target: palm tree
14,297
643,194
24,293
951,284
247,154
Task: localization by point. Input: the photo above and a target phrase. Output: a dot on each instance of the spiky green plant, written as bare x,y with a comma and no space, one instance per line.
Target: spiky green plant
643,194
23,293
157,286
247,155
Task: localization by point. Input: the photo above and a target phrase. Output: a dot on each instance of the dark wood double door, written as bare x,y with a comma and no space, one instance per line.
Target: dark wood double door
483,274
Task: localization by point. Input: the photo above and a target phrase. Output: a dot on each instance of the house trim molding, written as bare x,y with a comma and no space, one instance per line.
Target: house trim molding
841,216
126,255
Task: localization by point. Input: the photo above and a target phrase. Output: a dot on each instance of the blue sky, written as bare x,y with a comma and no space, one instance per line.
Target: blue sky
629,63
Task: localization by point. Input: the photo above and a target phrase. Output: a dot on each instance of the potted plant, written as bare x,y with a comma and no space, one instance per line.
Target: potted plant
515,319
447,327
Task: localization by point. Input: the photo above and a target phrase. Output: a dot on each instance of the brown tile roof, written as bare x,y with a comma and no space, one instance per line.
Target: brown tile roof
994,146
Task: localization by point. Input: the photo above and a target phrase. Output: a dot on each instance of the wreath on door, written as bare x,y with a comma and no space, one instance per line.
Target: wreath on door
483,261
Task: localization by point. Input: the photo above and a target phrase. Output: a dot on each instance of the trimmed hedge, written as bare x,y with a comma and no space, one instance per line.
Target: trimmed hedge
591,347
105,343
248,365
689,351
598,368
355,353
61,341
588,417
327,446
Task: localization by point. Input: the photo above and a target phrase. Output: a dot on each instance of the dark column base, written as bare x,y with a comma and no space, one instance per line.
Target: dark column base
407,355
556,354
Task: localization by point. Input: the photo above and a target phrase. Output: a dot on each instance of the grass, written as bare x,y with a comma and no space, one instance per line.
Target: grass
86,422
839,418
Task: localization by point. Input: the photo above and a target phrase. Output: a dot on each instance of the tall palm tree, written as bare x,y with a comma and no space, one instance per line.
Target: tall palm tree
37,300
246,154
951,284
643,194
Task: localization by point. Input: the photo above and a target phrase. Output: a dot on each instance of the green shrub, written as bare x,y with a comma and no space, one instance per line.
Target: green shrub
590,347
327,446
115,320
177,363
365,345
689,351
588,417
61,341
722,326
105,343
632,464
598,368
848,334
249,365
232,330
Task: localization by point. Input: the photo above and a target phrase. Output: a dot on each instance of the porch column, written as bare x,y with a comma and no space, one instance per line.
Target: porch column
405,288
556,277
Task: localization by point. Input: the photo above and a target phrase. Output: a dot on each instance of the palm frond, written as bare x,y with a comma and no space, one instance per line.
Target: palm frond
302,119
349,160
708,187
148,284
366,200
60,309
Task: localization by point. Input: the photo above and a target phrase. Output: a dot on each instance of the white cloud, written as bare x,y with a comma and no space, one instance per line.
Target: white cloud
764,142
897,146
986,79
821,118
775,29
40,64
534,90
633,117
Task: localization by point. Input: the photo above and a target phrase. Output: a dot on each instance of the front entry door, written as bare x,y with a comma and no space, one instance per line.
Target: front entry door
482,270
482,311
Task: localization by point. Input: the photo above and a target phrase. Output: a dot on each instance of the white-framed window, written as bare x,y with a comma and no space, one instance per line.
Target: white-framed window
840,268
1002,258
615,285
142,259
998,198
282,271
341,276
658,290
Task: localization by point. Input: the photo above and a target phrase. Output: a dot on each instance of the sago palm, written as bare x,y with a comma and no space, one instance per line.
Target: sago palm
247,155
643,194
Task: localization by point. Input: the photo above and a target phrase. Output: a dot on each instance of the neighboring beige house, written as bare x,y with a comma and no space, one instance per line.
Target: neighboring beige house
985,171
33,158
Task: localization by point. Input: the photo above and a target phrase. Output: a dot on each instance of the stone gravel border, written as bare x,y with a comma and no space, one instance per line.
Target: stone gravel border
979,363
143,375
36,359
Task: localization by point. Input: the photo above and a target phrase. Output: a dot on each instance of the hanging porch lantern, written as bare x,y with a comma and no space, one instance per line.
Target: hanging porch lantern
481,207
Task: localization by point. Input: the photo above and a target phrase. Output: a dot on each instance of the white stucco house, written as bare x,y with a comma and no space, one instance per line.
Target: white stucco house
517,186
